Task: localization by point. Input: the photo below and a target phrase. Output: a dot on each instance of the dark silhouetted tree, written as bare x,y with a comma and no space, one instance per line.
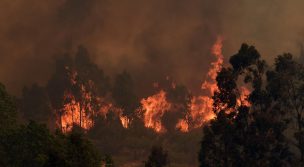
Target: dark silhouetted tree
124,95
180,98
59,84
26,146
286,86
91,79
8,112
157,158
35,104
81,152
243,135
81,78
34,146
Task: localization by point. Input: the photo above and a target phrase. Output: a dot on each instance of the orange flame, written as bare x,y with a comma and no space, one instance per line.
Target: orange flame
216,67
73,114
182,125
83,111
201,106
244,92
153,109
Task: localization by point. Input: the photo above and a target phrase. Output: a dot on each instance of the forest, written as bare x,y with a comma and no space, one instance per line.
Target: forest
251,115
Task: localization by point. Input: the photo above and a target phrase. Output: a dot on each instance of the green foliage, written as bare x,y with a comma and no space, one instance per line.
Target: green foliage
26,146
81,152
34,146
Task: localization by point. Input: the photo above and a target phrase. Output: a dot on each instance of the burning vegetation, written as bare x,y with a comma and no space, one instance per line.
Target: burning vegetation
80,96
82,102
153,84
244,109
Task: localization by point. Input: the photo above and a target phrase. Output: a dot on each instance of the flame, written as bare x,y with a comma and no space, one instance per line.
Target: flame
74,114
125,121
244,93
84,118
200,110
182,125
216,66
82,111
201,106
155,106
153,109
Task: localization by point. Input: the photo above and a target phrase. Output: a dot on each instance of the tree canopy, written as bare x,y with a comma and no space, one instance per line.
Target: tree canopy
246,135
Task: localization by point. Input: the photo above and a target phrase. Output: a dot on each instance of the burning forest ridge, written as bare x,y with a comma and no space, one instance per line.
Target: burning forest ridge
91,83
82,104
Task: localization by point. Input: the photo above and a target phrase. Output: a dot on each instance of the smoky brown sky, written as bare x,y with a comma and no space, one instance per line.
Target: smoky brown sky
151,39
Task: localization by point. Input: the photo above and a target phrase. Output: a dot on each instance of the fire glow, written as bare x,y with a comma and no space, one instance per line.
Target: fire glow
200,112
152,109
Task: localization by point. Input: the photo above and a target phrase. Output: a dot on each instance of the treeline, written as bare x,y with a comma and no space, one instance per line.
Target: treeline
76,76
269,131
73,77
44,104
264,129
33,145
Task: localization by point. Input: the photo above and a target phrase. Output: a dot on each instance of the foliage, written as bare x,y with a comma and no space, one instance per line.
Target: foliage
286,85
74,77
243,135
34,146
8,112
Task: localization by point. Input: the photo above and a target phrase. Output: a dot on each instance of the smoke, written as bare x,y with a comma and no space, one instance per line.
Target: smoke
151,39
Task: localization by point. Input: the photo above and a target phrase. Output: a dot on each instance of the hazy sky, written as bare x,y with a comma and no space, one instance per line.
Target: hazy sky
149,38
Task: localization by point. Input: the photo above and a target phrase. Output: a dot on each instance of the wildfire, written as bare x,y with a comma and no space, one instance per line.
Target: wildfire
182,125
200,110
244,92
81,111
201,106
154,108
216,50
73,114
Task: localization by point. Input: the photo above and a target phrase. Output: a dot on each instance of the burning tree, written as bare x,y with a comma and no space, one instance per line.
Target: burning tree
124,96
34,145
77,90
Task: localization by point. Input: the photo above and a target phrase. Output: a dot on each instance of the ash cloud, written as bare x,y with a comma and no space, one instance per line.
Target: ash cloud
151,39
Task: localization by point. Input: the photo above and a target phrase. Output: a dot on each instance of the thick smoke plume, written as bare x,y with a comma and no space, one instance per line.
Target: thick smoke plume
151,39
